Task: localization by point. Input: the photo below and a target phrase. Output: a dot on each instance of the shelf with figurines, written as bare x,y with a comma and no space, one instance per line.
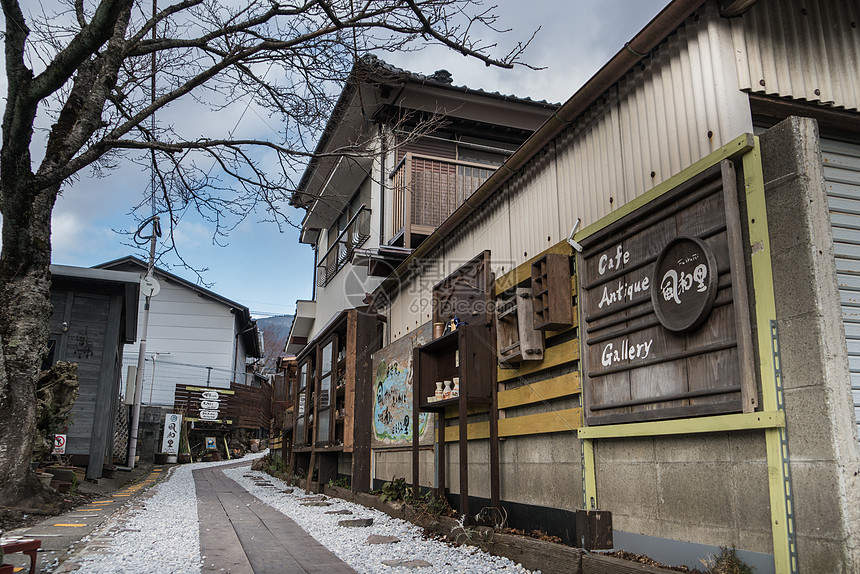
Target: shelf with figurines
456,365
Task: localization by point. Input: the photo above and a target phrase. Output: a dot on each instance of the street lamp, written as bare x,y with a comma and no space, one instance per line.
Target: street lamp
152,382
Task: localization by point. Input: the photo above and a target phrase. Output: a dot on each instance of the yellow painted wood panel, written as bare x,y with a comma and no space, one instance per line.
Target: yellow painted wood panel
554,356
718,423
561,386
452,412
565,385
557,421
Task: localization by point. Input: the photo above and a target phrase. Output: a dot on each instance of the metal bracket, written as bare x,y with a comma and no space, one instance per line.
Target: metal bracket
783,448
570,240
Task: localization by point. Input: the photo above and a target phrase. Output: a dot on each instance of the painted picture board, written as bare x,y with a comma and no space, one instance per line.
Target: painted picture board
392,394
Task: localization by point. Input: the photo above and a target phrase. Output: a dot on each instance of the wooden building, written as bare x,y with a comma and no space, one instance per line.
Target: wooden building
712,166
284,383
431,144
331,429
95,315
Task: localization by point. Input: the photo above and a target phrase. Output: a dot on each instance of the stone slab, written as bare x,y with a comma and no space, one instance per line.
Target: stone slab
379,539
411,564
356,523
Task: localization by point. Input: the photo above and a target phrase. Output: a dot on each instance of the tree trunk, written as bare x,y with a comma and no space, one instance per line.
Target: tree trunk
25,308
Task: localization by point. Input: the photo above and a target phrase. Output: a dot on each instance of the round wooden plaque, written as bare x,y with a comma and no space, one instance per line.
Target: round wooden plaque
684,284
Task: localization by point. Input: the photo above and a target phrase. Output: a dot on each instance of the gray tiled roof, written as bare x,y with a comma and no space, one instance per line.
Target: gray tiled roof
444,79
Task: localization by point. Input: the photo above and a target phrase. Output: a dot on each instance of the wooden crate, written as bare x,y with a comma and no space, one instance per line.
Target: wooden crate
553,308
517,340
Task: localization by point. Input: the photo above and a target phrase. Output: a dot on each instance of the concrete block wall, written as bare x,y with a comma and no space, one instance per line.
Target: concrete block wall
388,463
820,424
707,489
540,470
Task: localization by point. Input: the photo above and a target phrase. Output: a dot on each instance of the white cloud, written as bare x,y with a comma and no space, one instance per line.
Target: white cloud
76,241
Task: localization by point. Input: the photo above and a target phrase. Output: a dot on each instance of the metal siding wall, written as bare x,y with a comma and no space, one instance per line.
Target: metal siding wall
842,178
491,227
779,45
656,119
534,209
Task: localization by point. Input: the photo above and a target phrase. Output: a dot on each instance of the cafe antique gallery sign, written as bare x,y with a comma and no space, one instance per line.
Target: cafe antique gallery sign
663,305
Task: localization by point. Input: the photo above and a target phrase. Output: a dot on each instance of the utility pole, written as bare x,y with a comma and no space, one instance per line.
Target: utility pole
151,286
149,283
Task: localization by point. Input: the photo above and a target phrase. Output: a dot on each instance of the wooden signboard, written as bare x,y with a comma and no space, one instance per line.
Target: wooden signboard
203,404
663,308
467,294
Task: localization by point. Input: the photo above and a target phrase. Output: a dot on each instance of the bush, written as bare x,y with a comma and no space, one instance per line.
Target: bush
343,482
432,505
727,562
395,490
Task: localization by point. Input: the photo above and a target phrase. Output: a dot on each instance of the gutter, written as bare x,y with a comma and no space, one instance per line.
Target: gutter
663,24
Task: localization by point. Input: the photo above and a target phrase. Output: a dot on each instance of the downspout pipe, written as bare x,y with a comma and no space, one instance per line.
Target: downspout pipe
663,24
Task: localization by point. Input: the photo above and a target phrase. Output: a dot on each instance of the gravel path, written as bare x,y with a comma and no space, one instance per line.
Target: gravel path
161,533
152,534
350,544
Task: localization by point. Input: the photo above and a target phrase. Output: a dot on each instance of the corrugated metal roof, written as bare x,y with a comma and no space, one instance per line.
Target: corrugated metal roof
801,50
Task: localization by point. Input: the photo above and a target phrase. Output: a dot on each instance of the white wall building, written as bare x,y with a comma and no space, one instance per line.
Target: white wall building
194,336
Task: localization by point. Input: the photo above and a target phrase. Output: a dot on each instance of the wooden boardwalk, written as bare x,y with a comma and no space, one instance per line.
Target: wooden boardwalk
239,534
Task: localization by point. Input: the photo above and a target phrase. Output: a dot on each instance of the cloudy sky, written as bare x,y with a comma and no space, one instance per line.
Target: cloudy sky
268,270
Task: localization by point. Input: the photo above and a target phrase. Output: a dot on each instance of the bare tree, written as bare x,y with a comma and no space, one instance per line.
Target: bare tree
89,68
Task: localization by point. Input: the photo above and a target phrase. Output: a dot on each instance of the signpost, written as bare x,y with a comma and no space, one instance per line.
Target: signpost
207,403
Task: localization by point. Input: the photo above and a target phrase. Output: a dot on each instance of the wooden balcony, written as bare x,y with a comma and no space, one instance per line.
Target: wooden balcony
357,231
426,191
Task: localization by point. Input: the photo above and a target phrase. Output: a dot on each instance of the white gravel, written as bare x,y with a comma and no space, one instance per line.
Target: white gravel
160,533
156,534
350,544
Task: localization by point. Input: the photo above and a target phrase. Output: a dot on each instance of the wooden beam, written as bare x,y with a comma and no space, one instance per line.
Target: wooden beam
782,519
589,476
220,391
541,423
720,423
553,357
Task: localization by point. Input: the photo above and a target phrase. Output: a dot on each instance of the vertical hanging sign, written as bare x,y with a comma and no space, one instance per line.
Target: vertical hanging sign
170,440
